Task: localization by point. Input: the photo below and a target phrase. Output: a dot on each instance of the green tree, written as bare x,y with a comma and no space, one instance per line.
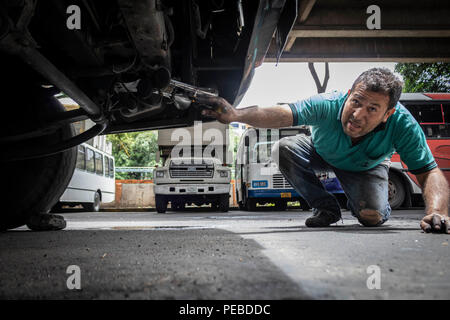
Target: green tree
134,149
425,77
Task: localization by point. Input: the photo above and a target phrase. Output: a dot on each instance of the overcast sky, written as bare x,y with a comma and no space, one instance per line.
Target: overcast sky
289,82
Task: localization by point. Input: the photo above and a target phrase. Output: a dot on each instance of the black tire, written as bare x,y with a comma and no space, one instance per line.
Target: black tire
34,185
57,207
397,191
239,202
93,206
250,204
224,203
247,204
161,203
281,205
304,205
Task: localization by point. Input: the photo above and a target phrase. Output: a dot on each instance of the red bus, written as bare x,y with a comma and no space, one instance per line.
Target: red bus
432,111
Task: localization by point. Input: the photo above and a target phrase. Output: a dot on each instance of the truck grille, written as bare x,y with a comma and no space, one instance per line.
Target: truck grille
279,182
191,171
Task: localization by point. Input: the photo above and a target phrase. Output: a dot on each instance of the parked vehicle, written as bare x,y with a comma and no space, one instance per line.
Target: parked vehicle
185,181
258,179
93,180
195,169
432,111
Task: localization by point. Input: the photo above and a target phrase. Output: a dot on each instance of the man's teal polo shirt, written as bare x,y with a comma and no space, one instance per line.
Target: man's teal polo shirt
401,133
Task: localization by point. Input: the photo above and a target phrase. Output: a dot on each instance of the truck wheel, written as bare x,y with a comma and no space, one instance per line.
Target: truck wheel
161,203
396,191
224,203
247,204
93,206
250,205
34,185
281,205
240,201
304,205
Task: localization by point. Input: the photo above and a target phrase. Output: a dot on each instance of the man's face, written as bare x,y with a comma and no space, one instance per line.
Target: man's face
363,111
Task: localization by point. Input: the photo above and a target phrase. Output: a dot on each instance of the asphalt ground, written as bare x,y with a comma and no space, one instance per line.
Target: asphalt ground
199,254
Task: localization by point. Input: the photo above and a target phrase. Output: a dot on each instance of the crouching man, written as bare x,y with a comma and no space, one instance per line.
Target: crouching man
354,135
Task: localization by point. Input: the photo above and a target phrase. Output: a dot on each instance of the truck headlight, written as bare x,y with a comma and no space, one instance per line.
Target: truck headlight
159,174
223,174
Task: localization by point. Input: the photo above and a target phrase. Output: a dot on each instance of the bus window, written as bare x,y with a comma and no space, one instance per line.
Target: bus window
98,163
111,168
90,164
262,152
444,131
436,130
106,165
430,113
81,161
446,110
428,131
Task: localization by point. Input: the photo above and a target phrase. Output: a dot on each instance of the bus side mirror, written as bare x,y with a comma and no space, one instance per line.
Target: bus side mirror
246,141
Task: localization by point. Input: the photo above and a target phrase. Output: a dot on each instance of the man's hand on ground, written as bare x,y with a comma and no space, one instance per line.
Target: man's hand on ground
220,109
435,222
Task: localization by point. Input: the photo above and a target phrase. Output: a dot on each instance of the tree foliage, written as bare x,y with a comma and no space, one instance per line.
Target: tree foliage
134,149
425,77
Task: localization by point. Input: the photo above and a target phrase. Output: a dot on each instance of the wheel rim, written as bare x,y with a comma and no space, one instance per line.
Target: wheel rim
392,190
96,202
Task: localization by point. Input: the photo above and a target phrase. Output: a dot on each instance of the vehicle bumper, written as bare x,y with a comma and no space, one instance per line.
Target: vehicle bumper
192,189
273,193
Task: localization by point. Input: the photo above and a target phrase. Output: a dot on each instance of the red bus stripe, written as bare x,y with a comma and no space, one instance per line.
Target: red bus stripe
438,96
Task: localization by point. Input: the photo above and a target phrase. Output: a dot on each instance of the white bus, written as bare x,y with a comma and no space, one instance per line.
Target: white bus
258,179
93,180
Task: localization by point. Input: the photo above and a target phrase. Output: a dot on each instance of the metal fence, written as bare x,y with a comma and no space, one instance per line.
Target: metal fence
141,173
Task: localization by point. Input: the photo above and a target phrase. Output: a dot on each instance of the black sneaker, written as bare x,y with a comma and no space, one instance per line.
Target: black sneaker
322,218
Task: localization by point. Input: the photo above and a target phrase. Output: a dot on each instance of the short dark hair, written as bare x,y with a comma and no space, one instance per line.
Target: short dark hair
381,80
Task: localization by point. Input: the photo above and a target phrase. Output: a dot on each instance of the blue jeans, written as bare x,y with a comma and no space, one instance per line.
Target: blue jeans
366,191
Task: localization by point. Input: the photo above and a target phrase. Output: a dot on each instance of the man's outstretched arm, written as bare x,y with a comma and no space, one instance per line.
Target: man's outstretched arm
278,116
435,193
